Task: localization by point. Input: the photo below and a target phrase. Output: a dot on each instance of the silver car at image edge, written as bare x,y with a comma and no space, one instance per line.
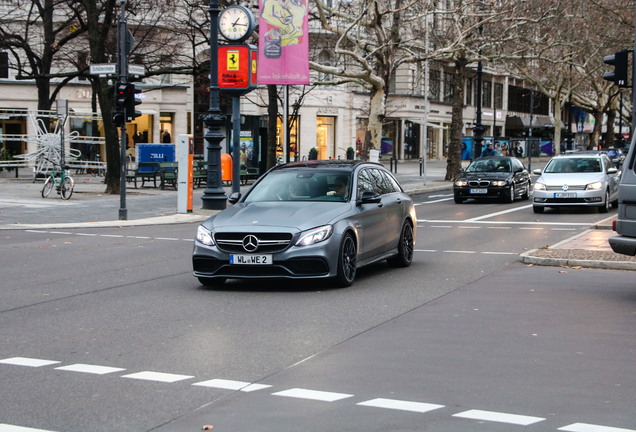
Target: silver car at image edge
309,220
577,179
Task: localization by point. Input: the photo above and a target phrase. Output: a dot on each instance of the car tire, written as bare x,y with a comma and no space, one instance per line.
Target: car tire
511,195
526,194
347,262
606,204
212,282
538,209
458,200
404,257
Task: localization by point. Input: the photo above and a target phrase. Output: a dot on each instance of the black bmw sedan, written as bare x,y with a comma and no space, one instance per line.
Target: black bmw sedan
501,178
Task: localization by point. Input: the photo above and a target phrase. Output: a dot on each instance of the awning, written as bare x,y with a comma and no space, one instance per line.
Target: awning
421,122
523,122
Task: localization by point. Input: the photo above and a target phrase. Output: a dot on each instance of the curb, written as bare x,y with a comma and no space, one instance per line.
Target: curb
527,258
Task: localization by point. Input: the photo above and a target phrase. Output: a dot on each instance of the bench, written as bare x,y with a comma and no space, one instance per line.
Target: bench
169,174
145,171
199,173
248,174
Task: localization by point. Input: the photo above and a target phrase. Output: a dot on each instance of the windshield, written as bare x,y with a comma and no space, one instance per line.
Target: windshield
302,185
573,165
489,165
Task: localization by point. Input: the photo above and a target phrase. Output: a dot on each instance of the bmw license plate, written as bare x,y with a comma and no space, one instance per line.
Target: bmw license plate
565,194
479,191
250,259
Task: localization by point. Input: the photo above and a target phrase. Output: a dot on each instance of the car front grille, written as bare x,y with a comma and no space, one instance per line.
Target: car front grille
253,243
479,183
570,188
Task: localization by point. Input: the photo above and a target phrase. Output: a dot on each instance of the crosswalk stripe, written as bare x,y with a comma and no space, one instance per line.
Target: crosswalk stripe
585,427
313,395
30,362
499,417
401,405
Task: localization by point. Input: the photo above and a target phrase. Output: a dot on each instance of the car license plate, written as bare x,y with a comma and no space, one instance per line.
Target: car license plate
565,194
479,191
251,259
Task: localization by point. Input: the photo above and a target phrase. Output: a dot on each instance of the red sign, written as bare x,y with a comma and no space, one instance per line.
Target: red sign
237,67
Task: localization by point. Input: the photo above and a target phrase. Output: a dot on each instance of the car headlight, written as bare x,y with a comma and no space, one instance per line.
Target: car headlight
539,186
461,183
315,235
205,236
500,183
594,186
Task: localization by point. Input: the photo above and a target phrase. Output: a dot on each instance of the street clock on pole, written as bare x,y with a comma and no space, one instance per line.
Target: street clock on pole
236,23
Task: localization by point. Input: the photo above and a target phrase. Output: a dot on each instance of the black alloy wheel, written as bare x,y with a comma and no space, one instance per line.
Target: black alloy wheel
347,261
404,257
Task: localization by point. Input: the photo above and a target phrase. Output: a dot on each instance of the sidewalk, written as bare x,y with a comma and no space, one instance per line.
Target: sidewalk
22,207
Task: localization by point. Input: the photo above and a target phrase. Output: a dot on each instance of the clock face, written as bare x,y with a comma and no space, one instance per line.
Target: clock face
236,23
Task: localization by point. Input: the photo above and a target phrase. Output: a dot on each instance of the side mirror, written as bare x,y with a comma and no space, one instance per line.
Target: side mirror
370,198
612,171
537,172
462,171
234,198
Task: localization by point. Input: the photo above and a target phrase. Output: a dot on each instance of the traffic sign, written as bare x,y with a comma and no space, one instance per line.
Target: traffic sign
103,69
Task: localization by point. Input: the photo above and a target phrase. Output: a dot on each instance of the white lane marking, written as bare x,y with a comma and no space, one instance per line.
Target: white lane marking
563,229
112,235
61,232
512,210
499,417
401,405
502,228
86,234
425,250
433,202
12,428
30,362
312,394
569,224
440,226
167,238
469,227
458,251
500,253
531,228
90,369
158,376
585,427
232,385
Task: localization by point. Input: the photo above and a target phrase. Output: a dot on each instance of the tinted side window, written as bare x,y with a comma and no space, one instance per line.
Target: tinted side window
365,182
381,183
391,182
517,166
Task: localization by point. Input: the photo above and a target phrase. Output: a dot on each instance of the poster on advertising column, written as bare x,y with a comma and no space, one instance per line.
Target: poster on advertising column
283,42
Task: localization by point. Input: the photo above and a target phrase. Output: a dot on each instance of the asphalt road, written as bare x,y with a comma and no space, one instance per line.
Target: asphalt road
107,330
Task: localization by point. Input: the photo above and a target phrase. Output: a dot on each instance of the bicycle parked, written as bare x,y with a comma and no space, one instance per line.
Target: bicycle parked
62,181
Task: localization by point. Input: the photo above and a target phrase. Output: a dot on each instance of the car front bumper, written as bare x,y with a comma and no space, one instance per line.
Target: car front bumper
296,262
553,198
491,192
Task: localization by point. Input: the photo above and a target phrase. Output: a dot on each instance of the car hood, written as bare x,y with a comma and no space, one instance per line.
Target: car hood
570,178
276,214
487,175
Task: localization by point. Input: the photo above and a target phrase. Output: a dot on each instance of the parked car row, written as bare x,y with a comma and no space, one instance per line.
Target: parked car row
575,179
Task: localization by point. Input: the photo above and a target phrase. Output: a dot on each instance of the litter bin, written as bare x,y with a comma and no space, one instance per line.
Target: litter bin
226,167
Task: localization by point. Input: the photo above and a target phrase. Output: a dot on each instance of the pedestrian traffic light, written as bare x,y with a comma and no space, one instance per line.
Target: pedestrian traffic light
620,61
120,97
131,102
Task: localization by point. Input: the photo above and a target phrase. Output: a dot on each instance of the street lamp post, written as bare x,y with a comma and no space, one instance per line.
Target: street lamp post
214,197
478,130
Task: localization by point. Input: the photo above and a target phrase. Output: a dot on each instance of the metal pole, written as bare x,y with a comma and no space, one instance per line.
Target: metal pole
478,130
424,151
236,143
214,197
123,77
530,131
285,120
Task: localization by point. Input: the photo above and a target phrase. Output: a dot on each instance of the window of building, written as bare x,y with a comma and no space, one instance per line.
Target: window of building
499,96
449,90
4,64
486,94
166,121
434,85
469,91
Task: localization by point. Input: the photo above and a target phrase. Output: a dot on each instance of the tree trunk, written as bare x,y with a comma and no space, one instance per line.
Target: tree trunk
609,136
113,173
454,160
596,133
373,139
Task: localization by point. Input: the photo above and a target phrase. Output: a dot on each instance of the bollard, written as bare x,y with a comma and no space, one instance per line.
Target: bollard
391,165
395,165
421,166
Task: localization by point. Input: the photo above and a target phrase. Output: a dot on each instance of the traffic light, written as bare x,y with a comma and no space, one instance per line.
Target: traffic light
118,119
131,102
121,97
620,61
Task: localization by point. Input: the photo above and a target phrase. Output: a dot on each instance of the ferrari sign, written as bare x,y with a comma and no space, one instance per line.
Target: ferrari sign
237,68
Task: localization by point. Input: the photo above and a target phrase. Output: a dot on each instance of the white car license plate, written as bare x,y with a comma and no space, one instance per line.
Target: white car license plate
565,194
479,191
251,259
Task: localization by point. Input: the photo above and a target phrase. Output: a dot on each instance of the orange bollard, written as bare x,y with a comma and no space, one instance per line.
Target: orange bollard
226,167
